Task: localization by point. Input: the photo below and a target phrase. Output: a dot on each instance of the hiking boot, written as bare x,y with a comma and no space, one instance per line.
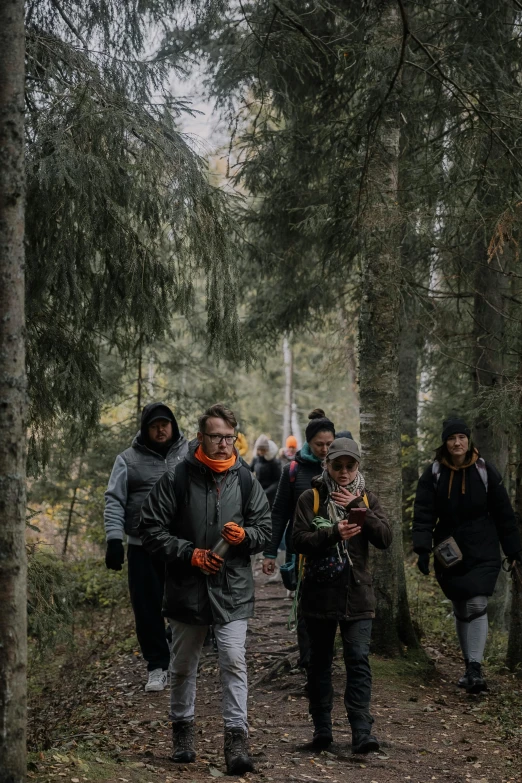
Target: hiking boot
476,682
237,756
157,680
183,742
322,738
364,742
463,681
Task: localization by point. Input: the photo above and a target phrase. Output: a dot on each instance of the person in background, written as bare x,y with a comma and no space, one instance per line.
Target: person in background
344,434
287,454
266,466
241,444
337,588
158,447
295,479
461,497
211,499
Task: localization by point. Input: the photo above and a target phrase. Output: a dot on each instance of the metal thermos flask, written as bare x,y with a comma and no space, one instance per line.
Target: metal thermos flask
220,548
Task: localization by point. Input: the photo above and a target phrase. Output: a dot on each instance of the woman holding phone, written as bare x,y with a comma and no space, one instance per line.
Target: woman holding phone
334,524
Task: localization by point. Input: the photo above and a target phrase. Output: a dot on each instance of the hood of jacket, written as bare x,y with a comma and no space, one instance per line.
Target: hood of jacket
153,410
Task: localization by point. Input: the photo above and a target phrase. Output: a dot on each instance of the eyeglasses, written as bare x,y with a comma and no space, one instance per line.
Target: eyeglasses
229,439
338,466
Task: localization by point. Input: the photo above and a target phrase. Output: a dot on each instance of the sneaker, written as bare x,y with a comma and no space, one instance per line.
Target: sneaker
157,680
183,742
237,756
364,742
476,682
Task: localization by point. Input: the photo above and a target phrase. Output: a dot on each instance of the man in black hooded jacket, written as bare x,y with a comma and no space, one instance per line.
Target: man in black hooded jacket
156,449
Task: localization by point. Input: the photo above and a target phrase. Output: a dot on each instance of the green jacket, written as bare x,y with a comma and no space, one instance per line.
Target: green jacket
173,532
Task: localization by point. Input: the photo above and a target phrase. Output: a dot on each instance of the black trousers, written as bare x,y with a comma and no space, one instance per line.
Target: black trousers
146,582
356,635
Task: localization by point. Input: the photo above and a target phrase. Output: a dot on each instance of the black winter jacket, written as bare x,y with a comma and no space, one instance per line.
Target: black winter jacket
349,596
478,522
268,473
173,531
287,495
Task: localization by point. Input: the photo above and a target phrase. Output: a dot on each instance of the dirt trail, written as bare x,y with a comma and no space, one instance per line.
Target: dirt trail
430,731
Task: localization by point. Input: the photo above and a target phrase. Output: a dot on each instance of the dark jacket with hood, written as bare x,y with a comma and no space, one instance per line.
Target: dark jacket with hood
268,473
350,595
135,472
287,495
478,521
172,531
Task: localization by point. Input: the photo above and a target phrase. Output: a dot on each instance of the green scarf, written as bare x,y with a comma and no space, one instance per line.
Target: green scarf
308,455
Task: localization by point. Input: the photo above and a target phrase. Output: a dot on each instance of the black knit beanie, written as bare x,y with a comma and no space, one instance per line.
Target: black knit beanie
453,427
318,423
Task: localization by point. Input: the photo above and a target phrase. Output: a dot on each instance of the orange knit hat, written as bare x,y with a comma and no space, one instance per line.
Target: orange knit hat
291,442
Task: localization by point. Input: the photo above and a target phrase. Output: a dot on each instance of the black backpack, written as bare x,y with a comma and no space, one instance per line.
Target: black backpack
182,480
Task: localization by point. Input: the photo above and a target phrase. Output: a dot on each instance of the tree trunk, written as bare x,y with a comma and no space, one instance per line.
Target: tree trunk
514,650
289,371
408,394
13,624
379,339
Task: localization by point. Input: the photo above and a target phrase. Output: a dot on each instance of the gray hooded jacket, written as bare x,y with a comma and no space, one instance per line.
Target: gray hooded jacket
133,475
172,532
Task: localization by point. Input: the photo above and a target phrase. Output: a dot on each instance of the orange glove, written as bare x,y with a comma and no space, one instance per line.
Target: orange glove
232,533
207,560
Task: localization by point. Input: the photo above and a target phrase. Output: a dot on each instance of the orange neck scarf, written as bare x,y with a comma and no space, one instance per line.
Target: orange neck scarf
217,465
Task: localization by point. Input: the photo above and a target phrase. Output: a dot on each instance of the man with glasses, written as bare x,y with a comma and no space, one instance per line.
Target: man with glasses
210,501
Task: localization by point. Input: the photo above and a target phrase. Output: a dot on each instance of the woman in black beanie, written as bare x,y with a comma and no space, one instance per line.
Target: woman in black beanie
462,509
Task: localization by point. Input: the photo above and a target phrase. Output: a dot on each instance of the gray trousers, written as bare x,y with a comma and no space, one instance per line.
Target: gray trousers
187,643
471,622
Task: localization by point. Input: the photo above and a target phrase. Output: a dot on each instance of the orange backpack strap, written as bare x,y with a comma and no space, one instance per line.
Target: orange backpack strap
316,501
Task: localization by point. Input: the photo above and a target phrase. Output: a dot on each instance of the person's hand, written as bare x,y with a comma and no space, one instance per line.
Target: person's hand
348,529
343,497
115,554
269,565
233,534
207,560
517,559
423,563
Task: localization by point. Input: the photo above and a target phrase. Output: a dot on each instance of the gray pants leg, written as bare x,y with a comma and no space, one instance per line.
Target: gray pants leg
471,623
187,643
231,639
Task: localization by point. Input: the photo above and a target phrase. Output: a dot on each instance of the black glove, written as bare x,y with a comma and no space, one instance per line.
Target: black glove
423,563
115,554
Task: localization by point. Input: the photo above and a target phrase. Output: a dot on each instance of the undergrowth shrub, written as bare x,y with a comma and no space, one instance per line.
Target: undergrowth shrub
58,592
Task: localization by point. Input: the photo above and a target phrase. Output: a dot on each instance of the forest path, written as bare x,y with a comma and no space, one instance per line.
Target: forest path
429,729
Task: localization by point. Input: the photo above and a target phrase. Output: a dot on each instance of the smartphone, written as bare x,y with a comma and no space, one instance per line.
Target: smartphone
356,516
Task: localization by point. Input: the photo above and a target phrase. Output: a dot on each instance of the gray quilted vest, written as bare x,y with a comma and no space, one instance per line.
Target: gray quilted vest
144,468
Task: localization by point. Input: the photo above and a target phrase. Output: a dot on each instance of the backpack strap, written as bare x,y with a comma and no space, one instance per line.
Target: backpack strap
480,465
366,501
435,472
181,483
246,485
316,501
293,471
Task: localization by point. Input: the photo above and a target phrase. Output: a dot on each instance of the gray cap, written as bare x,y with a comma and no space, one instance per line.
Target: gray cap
344,447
